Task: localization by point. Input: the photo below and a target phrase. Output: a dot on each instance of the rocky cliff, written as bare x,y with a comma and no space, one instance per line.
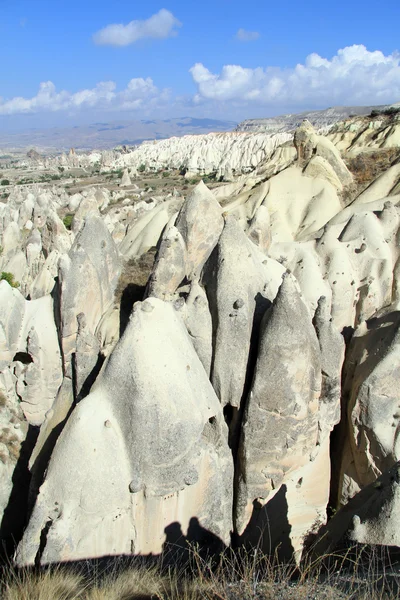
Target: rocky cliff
253,320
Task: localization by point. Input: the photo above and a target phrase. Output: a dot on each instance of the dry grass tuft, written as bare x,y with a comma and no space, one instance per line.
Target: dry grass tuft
53,584
367,166
237,576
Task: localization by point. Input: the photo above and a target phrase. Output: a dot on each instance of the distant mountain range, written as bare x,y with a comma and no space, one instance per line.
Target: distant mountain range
108,135
131,133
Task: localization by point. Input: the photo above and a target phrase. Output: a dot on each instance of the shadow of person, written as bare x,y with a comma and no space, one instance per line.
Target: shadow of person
199,542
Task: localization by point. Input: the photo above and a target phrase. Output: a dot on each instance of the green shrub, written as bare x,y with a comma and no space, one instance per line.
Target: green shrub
4,182
142,168
9,277
166,174
67,220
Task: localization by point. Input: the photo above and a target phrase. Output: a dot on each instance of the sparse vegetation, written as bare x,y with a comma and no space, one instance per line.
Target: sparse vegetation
25,180
9,277
210,177
236,576
67,220
366,166
142,168
388,112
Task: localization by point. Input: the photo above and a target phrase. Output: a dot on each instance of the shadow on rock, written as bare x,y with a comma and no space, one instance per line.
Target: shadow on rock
269,528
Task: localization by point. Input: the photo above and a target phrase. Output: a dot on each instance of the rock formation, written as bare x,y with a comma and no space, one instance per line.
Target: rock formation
206,386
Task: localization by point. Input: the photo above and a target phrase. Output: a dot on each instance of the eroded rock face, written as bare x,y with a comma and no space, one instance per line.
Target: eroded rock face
30,351
371,444
371,517
200,223
136,480
240,284
280,424
88,278
216,367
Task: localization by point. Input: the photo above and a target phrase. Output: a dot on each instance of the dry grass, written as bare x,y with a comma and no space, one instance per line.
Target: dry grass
136,272
367,166
239,576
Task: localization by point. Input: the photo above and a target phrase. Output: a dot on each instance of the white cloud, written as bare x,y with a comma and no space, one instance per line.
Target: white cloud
247,36
140,93
353,76
159,26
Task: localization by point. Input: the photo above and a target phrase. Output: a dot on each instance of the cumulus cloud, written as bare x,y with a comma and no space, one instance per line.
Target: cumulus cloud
159,26
247,36
138,94
353,76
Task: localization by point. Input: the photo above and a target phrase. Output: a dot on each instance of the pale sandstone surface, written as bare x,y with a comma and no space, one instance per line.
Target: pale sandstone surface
136,480
234,362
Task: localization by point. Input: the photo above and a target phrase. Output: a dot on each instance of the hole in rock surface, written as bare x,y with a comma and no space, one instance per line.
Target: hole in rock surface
23,357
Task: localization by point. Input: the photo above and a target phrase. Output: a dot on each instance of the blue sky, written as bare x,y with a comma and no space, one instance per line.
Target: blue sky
221,58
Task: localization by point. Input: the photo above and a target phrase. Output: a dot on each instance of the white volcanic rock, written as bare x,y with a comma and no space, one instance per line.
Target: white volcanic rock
280,424
144,233
219,152
373,403
200,223
25,255
198,322
321,119
385,185
370,518
170,265
240,283
148,425
361,134
126,180
88,277
13,431
134,481
30,351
